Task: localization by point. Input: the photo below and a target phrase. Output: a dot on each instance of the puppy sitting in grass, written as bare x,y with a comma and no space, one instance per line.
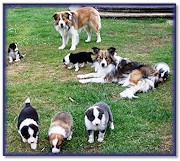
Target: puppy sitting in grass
74,59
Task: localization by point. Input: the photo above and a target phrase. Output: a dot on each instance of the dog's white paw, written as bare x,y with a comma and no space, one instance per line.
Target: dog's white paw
112,126
83,81
73,48
34,146
87,40
100,140
77,69
61,47
17,60
80,76
91,141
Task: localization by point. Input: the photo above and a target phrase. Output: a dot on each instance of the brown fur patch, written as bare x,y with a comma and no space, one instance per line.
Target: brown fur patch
58,136
135,76
104,54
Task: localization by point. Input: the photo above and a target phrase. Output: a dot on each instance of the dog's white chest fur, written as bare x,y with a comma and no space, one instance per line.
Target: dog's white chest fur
90,126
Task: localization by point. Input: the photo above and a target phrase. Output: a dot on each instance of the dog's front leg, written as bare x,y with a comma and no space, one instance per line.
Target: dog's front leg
91,136
17,58
10,59
64,40
90,75
75,40
101,135
93,80
76,67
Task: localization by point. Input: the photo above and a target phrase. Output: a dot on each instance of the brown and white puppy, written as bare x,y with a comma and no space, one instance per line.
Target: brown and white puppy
104,63
68,23
143,71
60,130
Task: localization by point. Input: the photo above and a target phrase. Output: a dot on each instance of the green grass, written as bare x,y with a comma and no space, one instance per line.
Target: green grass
143,125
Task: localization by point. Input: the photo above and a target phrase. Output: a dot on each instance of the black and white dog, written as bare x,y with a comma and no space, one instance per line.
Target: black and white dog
163,70
28,124
97,118
74,59
13,53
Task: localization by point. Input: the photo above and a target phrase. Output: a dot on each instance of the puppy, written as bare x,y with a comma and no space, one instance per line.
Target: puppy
74,59
97,118
164,71
28,124
144,85
68,23
104,63
60,130
13,53
143,71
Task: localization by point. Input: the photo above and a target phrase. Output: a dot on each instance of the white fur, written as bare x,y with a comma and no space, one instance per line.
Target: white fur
54,143
97,77
143,86
57,130
27,100
31,140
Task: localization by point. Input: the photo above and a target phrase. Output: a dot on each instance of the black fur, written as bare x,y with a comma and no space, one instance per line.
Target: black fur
89,114
81,57
28,112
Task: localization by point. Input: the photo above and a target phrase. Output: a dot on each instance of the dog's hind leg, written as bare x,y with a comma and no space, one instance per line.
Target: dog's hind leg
88,31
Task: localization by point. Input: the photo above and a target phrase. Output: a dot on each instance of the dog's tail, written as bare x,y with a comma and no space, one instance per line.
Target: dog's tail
27,102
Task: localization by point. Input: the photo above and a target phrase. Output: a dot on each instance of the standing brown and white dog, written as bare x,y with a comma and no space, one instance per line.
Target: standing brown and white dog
60,130
68,23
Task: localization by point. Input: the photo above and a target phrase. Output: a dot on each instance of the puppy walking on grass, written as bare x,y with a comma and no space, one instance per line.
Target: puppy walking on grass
97,118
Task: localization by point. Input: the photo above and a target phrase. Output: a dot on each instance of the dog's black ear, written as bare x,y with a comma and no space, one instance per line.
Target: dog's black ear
112,50
55,16
96,50
89,112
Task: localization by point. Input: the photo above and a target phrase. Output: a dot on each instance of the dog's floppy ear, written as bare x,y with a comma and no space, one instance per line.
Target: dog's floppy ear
69,15
89,112
96,50
112,50
55,16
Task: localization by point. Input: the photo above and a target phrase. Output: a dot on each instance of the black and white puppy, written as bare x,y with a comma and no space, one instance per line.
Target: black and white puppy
74,59
163,70
97,118
28,124
13,53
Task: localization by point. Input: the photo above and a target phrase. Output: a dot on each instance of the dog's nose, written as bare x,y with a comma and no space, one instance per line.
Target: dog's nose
61,25
97,124
102,64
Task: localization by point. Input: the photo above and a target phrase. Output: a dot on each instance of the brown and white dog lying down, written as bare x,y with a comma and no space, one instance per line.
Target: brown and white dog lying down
142,79
60,130
104,63
68,23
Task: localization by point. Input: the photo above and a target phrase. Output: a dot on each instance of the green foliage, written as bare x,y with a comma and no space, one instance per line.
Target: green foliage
143,125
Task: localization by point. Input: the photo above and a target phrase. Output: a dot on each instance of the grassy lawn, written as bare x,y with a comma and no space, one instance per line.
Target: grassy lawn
142,126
